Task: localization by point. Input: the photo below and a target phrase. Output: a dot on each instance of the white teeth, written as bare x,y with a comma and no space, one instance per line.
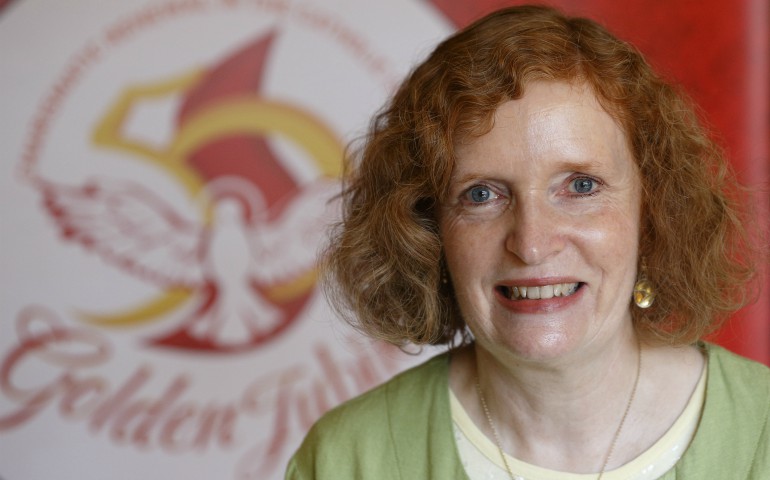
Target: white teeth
542,292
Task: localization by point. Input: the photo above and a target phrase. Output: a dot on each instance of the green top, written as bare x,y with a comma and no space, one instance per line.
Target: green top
403,429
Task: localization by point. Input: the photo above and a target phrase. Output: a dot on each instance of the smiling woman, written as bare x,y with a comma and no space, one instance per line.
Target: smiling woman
539,200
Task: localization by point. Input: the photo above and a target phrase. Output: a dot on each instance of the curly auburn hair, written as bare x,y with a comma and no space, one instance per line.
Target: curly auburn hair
383,266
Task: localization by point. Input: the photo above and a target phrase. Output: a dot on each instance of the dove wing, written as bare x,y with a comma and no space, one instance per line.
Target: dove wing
129,226
288,246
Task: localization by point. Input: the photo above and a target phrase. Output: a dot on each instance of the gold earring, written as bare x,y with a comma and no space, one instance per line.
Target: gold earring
644,292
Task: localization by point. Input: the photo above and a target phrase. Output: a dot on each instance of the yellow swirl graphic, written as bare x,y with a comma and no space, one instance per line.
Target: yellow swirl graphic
240,115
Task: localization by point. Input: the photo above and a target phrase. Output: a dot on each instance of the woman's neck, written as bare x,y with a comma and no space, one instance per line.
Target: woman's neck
564,415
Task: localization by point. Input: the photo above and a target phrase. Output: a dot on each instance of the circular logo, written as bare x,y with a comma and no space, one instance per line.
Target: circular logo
243,269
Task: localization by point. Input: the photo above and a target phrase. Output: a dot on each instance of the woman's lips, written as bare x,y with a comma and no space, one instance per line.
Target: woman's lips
540,298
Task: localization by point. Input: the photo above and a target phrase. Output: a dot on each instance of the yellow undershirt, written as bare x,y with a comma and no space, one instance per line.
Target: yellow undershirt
481,458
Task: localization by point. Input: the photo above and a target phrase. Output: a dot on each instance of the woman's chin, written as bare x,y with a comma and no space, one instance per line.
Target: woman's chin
535,347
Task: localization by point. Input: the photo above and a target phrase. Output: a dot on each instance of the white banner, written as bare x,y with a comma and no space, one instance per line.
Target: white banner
167,171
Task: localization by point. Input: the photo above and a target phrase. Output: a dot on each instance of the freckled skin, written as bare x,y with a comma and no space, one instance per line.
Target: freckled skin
551,192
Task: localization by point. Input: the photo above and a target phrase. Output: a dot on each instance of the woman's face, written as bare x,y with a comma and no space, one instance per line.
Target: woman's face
541,226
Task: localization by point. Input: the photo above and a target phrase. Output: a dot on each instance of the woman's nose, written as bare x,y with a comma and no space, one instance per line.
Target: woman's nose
536,231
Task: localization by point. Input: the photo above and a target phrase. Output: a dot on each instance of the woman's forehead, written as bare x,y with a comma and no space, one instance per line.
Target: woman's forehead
552,119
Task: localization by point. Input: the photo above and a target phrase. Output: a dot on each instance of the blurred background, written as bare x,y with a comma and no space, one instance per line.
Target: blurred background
166,171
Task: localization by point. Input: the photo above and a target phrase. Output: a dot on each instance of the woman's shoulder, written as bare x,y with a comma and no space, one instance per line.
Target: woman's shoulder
737,373
403,391
357,435
733,436
407,391
732,439
737,387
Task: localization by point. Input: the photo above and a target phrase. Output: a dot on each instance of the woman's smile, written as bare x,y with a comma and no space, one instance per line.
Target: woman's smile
538,299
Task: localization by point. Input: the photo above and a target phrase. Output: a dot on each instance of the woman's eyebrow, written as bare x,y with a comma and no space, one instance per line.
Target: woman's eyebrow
580,165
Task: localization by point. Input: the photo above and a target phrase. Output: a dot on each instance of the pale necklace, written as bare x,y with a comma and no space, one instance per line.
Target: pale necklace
614,438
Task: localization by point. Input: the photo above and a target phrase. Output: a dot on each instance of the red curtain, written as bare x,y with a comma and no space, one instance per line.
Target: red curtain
720,53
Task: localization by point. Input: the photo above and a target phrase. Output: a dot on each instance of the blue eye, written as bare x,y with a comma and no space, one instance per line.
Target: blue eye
480,194
583,185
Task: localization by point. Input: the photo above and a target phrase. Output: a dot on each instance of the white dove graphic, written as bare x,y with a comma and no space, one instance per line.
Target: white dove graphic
245,248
